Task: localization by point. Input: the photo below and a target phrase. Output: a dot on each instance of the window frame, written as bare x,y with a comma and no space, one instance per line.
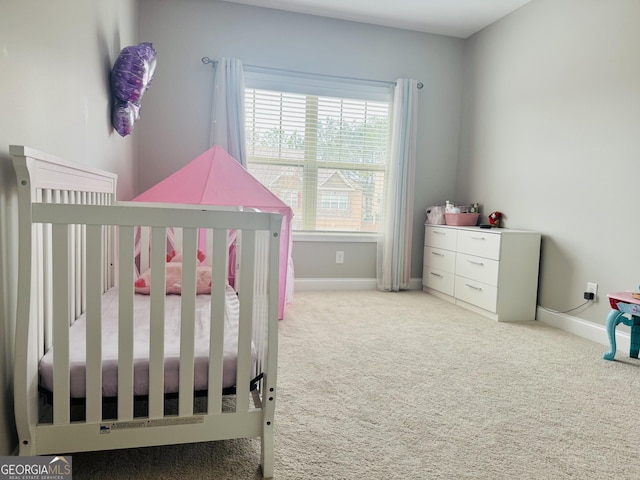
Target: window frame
314,86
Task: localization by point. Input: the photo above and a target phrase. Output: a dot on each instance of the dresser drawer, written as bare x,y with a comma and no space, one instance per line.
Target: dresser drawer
481,269
440,259
476,293
479,243
439,237
438,280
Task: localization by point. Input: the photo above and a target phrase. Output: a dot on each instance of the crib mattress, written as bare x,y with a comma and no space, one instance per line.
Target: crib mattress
77,342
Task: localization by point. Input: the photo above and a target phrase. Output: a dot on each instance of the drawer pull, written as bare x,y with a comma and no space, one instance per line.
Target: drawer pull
438,232
437,254
436,274
480,264
478,238
474,287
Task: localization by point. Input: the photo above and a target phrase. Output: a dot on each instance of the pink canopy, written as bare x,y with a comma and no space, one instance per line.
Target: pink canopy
216,178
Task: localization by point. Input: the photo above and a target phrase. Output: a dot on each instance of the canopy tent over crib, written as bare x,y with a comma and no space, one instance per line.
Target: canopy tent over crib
216,178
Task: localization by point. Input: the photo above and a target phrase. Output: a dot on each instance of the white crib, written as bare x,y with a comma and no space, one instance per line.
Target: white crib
76,247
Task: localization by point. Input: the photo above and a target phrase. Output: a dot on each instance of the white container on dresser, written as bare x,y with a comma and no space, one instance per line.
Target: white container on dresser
493,272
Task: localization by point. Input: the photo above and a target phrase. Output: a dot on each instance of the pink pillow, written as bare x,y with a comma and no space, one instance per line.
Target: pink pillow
177,257
174,280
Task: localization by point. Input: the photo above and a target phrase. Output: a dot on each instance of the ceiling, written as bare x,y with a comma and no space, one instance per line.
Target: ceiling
455,18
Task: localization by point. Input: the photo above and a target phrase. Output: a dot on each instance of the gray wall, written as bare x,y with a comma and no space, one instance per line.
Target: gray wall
549,110
550,137
55,59
176,114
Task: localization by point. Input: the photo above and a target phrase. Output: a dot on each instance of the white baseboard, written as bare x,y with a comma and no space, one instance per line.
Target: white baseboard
577,326
320,284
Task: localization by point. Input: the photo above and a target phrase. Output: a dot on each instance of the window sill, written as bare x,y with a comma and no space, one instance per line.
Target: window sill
335,237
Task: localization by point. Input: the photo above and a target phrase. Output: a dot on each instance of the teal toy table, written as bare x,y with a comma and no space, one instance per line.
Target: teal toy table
625,308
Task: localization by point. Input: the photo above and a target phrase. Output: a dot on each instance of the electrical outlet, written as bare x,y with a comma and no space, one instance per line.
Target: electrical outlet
592,288
339,256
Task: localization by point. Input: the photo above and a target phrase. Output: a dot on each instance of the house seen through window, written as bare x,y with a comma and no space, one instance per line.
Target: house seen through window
324,156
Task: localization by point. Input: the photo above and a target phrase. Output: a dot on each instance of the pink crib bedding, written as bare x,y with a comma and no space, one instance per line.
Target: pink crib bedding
77,335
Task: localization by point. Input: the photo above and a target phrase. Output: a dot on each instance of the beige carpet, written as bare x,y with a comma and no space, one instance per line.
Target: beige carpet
406,386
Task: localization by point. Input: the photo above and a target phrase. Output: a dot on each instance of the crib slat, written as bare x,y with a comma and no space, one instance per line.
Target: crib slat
105,243
79,279
219,266
67,197
246,314
46,333
125,324
72,279
260,300
38,281
76,262
113,265
61,316
110,258
156,327
94,324
83,259
187,323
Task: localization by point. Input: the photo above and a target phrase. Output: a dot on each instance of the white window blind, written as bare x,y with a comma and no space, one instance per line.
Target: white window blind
325,156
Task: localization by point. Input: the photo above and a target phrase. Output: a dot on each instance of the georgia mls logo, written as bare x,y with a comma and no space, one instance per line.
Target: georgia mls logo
59,465
35,468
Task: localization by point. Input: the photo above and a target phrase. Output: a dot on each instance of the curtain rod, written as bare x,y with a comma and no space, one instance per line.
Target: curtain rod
207,60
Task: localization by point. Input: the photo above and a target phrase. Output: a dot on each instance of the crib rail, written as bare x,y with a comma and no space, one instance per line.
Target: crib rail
74,247
260,233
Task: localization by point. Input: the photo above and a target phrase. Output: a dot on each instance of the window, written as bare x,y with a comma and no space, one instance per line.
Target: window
322,153
335,201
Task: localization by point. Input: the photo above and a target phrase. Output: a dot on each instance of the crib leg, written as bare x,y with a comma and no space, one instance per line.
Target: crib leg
267,450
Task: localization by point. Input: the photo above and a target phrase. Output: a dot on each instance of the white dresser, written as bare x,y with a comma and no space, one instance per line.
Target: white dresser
493,272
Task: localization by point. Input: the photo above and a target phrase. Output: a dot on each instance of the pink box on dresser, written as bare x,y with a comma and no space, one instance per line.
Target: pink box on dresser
461,219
